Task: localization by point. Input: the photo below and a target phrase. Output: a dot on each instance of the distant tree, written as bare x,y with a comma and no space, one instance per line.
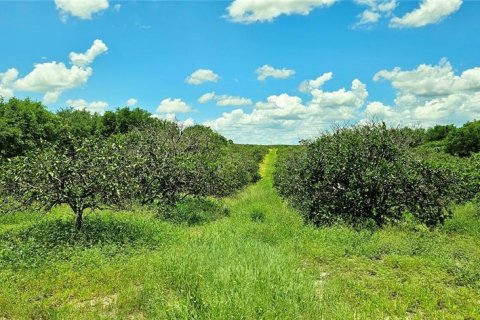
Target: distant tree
439,132
23,125
124,120
464,141
109,123
411,137
85,175
79,123
128,119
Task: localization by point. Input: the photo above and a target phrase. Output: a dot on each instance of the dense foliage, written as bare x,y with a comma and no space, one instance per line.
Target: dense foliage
439,132
464,141
361,174
465,169
23,125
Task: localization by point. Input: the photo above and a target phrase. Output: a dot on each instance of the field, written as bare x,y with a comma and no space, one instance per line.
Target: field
256,260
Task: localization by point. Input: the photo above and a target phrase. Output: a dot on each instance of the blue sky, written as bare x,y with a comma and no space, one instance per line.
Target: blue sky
407,62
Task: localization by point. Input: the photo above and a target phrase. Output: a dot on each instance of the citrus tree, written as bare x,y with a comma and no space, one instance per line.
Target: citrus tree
361,174
86,175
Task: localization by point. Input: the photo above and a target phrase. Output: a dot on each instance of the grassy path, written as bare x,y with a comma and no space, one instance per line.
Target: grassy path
261,262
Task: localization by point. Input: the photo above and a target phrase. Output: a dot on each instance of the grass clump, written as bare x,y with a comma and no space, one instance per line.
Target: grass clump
193,211
257,215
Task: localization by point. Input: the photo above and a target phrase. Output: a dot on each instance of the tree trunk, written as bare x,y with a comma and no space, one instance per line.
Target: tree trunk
79,220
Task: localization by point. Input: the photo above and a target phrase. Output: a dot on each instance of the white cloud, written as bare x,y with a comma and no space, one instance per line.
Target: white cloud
431,80
368,17
267,71
431,94
92,107
201,76
132,102
7,82
117,7
430,11
83,9
206,97
188,123
173,118
309,85
287,119
343,102
85,59
52,78
225,100
248,11
173,106
376,10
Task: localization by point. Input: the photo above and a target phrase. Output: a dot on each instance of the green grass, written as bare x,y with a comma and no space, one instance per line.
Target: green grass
258,262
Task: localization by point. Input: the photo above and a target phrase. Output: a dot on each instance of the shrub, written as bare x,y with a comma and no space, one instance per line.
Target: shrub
363,173
439,132
466,171
464,141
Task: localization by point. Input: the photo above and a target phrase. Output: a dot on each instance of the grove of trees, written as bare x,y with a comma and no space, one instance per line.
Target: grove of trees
118,160
368,173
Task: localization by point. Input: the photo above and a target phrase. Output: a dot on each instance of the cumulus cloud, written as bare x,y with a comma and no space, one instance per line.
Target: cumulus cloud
173,106
430,11
92,107
82,9
267,71
288,119
201,76
309,85
430,94
7,83
85,59
132,102
52,78
249,11
225,100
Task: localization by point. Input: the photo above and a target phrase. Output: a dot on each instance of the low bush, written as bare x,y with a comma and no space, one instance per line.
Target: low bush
366,172
466,171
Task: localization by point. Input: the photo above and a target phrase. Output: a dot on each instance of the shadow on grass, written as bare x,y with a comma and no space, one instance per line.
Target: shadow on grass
54,239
